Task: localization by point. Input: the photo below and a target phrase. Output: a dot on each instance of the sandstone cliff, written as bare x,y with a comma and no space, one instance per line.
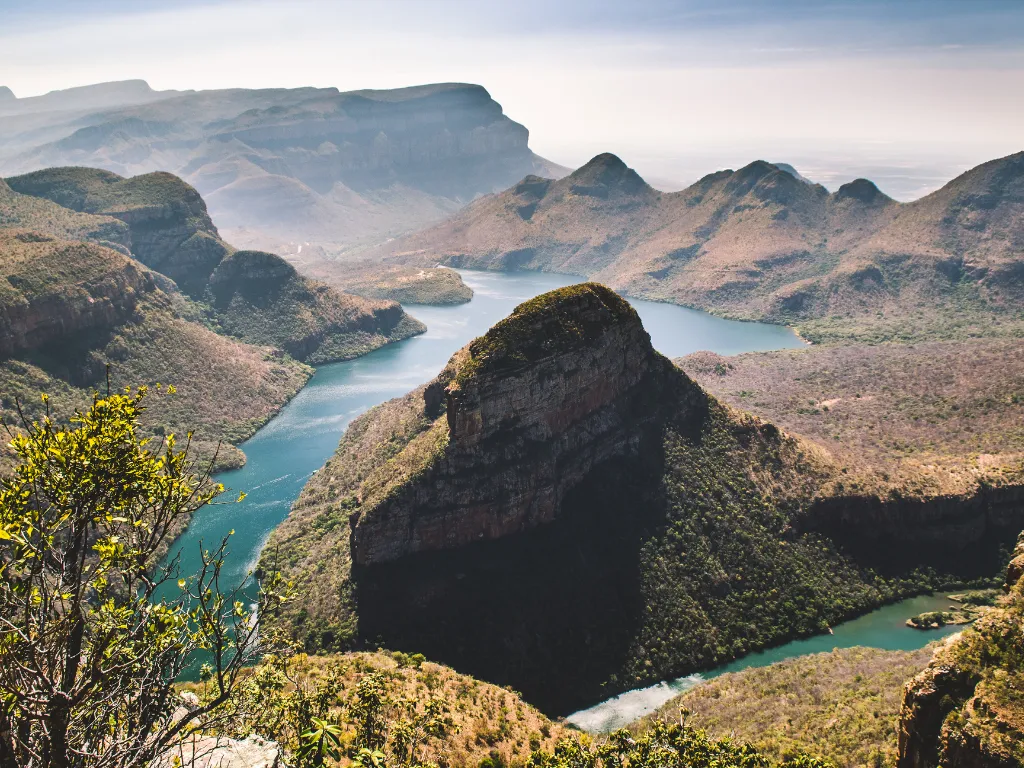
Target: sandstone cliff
966,709
60,292
563,511
568,382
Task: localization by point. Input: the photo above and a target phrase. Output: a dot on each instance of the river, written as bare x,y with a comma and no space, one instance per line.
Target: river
883,628
282,455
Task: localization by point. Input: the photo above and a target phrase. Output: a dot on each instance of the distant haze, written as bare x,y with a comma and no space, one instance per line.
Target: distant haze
907,93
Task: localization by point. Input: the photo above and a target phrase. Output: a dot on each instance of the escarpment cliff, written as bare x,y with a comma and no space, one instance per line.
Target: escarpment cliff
62,292
284,165
568,382
563,511
967,708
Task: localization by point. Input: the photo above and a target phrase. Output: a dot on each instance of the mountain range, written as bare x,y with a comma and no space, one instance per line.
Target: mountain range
761,243
285,166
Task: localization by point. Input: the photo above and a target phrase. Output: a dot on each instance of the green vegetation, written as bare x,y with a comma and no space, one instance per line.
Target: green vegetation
407,710
841,706
88,654
43,216
661,746
226,390
545,325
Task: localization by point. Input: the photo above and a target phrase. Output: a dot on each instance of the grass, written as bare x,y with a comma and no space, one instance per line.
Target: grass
19,211
481,721
842,706
406,285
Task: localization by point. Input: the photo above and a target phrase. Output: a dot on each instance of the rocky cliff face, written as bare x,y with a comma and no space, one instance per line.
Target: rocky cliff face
59,292
563,385
966,709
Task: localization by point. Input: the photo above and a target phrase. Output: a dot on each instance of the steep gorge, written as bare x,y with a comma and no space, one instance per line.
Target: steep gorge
255,296
564,511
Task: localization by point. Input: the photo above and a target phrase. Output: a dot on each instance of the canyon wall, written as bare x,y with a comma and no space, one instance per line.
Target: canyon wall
966,709
530,410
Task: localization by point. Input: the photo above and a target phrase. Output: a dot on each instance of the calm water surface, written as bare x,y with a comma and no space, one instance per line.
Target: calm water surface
291,447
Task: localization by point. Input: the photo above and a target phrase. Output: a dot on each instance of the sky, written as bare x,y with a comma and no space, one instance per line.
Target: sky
906,92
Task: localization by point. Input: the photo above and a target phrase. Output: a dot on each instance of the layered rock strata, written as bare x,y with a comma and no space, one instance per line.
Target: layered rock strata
966,710
563,385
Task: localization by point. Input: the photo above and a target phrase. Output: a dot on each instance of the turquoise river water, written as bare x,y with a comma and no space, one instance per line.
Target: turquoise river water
294,444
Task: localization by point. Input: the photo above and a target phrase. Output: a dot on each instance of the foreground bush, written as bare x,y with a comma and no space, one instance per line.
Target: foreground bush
88,653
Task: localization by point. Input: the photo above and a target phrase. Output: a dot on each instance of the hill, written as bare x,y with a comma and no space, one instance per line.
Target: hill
761,244
255,296
406,285
280,166
842,706
453,719
564,511
69,308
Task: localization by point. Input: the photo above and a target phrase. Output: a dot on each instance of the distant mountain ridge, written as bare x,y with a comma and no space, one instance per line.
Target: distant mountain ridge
285,165
762,243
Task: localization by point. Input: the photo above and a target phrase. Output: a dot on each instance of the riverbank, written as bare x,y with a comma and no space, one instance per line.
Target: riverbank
883,628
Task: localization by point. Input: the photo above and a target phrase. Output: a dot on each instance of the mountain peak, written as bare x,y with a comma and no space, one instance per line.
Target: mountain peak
6,94
792,172
606,174
553,322
862,190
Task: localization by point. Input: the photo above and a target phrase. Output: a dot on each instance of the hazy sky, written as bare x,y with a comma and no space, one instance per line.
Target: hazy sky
923,89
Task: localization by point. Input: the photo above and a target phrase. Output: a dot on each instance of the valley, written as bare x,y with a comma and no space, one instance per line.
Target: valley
523,466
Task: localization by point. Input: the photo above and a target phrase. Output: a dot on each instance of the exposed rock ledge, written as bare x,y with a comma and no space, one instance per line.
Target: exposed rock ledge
563,384
966,710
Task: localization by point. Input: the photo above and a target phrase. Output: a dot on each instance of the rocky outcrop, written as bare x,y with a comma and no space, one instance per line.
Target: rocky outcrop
58,292
563,385
965,710
170,229
223,752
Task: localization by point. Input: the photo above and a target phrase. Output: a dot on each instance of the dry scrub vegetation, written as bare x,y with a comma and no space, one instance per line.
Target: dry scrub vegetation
842,705
937,417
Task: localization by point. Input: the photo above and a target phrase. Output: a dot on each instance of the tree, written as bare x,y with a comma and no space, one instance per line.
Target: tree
88,655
